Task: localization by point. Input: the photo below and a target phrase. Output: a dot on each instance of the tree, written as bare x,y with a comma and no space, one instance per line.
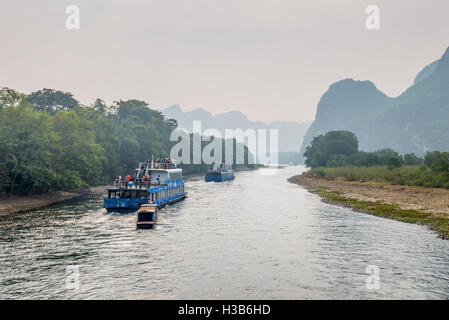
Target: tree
5,180
27,143
431,157
129,108
437,161
77,148
10,98
52,101
394,162
385,154
49,141
100,106
337,160
410,159
332,145
365,159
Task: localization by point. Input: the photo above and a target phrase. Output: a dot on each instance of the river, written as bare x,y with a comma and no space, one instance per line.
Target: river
255,237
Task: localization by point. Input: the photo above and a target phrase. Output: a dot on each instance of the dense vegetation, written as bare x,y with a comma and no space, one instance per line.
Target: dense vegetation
336,155
48,140
332,149
340,149
406,175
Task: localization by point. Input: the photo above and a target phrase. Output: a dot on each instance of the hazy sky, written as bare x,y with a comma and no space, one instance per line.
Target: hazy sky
272,60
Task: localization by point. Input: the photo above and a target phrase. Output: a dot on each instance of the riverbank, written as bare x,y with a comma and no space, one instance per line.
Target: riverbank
24,203
411,204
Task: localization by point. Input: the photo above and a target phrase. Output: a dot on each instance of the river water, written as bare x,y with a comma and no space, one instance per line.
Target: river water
255,237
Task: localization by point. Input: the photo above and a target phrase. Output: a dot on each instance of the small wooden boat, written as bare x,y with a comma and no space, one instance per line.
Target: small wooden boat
147,216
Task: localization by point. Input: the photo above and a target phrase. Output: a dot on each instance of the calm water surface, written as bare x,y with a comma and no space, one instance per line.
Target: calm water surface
255,237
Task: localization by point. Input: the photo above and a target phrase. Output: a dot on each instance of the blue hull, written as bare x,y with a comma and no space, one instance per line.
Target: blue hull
218,178
132,205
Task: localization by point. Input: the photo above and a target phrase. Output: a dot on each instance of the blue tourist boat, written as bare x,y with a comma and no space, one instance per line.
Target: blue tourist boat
156,183
220,172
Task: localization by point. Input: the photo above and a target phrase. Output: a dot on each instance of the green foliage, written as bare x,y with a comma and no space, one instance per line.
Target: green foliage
10,97
417,175
334,147
54,143
410,159
52,101
437,161
26,146
49,141
339,149
394,162
337,160
365,159
385,154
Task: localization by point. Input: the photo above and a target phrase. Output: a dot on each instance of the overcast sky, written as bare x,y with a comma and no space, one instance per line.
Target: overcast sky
271,60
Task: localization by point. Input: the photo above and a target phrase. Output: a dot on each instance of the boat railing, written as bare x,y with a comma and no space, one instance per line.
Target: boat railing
129,184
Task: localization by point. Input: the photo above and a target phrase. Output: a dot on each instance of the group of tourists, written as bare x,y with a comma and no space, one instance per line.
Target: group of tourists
140,176
128,178
164,163
122,179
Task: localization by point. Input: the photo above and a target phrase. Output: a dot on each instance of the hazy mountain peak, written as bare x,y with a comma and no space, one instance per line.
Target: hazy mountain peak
350,82
233,115
342,92
348,104
446,55
415,121
174,108
290,133
200,112
350,95
426,72
443,65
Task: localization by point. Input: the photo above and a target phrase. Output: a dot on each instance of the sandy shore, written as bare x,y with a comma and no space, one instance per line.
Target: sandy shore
428,206
24,203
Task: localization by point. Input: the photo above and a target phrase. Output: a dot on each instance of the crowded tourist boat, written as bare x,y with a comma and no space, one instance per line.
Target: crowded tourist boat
156,182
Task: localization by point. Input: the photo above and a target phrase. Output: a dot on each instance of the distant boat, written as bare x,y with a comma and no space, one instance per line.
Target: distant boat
219,172
157,183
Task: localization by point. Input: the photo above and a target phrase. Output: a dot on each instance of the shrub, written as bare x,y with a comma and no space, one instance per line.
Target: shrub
394,162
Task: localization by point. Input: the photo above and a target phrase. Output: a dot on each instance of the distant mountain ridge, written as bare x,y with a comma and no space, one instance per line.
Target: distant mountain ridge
290,133
426,72
416,121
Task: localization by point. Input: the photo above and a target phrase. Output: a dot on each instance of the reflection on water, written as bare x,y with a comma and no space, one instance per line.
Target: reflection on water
255,237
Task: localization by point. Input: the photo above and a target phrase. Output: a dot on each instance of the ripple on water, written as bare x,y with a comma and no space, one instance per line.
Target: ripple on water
254,237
